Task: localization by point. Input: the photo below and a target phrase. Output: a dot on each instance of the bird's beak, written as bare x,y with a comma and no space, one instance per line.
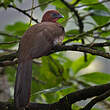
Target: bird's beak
60,16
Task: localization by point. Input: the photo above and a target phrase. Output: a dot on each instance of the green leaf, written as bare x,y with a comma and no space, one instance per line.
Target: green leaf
51,98
51,90
65,13
66,91
6,3
20,1
96,77
80,63
75,107
36,86
65,62
67,68
42,7
89,1
7,46
72,32
63,10
105,34
54,66
17,29
100,48
46,75
100,13
96,17
10,71
59,4
95,109
36,81
108,99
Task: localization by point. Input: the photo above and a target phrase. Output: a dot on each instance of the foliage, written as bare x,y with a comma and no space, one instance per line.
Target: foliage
57,75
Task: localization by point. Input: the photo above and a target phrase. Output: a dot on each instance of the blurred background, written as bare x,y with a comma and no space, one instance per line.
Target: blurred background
9,17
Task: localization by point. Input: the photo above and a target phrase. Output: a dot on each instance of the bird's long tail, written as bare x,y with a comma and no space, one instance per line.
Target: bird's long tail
23,84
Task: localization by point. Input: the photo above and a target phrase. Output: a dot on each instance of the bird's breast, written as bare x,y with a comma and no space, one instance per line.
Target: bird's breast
58,40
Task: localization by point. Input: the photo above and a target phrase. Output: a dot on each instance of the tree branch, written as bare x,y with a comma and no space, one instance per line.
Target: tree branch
20,10
72,9
88,48
98,44
10,56
11,42
96,100
79,20
8,63
65,102
85,33
9,35
76,2
81,49
45,3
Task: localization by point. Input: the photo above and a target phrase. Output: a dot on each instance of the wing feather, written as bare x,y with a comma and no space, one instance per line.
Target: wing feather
39,39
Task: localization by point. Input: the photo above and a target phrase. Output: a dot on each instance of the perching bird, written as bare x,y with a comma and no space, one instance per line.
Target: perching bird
37,41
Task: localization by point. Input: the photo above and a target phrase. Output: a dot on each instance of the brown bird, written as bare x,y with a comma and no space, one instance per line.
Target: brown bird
37,41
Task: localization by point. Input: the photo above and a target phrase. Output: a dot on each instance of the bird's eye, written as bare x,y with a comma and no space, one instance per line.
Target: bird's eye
54,15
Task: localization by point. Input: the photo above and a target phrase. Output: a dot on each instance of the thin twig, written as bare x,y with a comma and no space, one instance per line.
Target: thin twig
46,3
31,13
8,63
103,38
85,33
81,49
22,11
79,20
96,100
9,35
11,42
76,2
11,63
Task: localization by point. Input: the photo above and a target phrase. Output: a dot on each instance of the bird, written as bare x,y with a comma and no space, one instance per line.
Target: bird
36,42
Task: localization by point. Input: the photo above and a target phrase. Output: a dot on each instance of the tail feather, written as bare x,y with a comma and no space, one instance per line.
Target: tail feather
23,83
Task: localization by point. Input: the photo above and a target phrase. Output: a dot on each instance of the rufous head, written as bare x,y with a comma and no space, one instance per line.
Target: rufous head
51,16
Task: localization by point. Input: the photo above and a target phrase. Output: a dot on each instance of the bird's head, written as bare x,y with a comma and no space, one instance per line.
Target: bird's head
51,16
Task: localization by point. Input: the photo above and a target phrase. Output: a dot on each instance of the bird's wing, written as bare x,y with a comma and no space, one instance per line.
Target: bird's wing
39,39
